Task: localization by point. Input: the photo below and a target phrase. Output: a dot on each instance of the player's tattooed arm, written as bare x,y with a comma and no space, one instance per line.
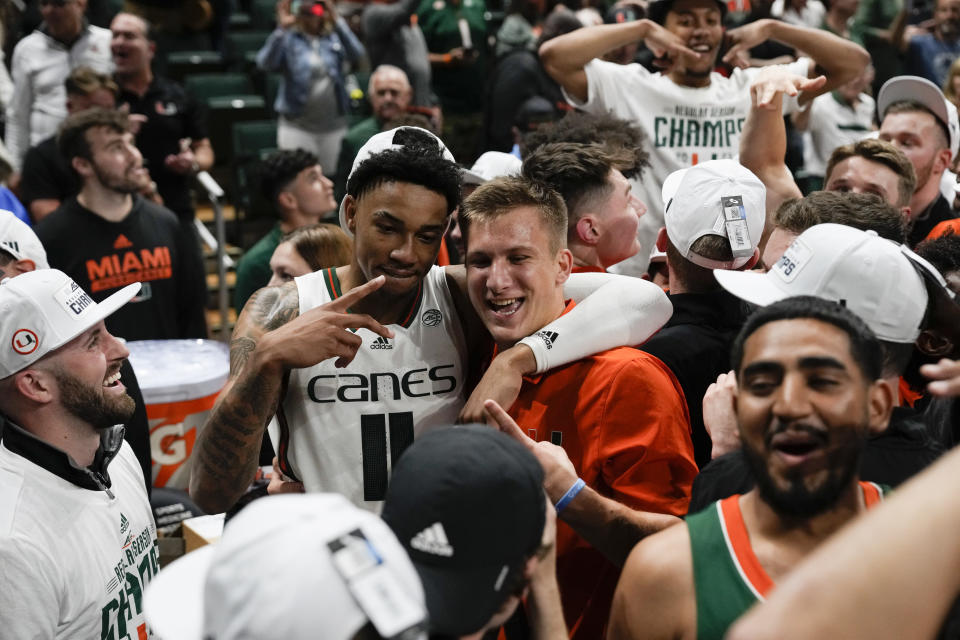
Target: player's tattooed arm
271,338
228,446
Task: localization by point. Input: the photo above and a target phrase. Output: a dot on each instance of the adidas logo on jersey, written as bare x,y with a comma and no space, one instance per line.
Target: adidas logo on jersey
433,540
548,337
381,343
124,523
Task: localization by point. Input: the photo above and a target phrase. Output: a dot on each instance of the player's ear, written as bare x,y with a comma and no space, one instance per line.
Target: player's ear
586,229
881,399
82,166
564,264
350,213
662,239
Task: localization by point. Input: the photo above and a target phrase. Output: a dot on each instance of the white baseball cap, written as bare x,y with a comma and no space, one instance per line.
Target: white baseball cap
384,141
871,276
20,241
42,310
298,567
921,91
697,202
490,165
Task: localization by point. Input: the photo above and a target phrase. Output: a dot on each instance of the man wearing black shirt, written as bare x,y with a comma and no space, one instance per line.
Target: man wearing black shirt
695,343
106,237
173,135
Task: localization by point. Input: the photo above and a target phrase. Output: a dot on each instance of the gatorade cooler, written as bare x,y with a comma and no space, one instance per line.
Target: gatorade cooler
180,380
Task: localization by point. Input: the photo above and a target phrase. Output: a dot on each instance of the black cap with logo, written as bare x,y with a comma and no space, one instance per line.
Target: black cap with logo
468,505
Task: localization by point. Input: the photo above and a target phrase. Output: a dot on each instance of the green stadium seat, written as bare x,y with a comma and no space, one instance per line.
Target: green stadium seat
183,63
263,14
223,113
242,47
204,86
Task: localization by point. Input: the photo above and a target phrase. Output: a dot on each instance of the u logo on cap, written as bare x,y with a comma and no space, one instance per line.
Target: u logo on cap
25,342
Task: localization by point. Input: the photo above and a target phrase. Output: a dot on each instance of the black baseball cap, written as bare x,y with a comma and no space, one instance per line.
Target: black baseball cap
657,10
468,505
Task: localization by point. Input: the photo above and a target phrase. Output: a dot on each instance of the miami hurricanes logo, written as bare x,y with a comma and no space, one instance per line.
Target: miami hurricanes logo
25,342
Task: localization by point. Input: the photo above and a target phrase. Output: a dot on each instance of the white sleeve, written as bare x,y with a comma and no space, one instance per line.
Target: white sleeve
607,85
801,67
17,134
29,602
621,311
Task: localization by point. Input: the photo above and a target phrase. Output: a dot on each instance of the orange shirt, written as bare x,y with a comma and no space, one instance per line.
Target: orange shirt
622,418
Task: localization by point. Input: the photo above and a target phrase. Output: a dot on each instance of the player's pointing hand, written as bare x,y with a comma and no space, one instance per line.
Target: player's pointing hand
325,332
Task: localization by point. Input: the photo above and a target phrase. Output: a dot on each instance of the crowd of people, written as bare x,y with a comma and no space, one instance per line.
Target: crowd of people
628,321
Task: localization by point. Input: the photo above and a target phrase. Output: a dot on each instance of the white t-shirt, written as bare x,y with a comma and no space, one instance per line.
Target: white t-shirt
834,124
683,126
74,561
341,430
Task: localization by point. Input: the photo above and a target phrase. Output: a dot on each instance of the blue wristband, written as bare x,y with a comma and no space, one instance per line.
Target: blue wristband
570,495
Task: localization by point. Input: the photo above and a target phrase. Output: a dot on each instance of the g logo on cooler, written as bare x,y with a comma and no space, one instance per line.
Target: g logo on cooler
25,342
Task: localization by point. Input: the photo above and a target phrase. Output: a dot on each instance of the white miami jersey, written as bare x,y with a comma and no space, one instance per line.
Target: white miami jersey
342,430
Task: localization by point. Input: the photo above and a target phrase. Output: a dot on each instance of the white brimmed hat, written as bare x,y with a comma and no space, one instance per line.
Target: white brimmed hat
702,200
921,91
871,276
297,567
490,165
384,141
20,241
42,310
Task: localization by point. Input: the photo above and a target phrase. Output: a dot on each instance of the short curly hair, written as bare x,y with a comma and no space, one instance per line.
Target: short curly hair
281,168
419,160
584,128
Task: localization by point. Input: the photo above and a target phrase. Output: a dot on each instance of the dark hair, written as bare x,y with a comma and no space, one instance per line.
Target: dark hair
6,257
281,168
605,129
657,11
943,253
149,31
558,23
884,153
83,81
503,195
909,106
72,135
864,211
864,346
419,160
321,245
411,119
578,172
697,279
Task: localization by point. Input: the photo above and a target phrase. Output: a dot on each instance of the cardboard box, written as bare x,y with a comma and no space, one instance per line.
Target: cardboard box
201,531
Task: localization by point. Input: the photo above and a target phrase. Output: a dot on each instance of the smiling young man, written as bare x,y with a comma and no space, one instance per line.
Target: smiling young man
688,112
348,404
603,213
107,236
619,415
809,395
79,541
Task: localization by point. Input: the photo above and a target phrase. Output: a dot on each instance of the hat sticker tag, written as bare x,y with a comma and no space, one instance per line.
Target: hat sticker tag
793,260
73,299
393,611
735,217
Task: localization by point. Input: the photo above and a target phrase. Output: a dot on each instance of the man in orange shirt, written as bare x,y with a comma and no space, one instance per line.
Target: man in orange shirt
619,416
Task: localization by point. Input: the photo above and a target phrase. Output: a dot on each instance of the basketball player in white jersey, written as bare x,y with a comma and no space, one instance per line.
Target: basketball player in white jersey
358,360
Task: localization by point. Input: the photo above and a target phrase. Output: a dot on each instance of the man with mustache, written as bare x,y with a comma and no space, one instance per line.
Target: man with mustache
78,544
810,392
689,112
107,236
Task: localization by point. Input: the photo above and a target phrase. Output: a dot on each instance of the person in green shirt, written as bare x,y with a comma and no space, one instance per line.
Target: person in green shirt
293,181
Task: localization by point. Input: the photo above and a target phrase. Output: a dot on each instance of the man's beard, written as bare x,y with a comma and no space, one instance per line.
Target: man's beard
96,409
797,501
120,185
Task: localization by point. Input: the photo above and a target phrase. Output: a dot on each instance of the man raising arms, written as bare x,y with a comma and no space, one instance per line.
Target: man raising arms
688,112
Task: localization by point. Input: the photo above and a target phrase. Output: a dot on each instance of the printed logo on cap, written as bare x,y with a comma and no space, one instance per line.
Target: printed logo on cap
74,299
25,342
794,259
